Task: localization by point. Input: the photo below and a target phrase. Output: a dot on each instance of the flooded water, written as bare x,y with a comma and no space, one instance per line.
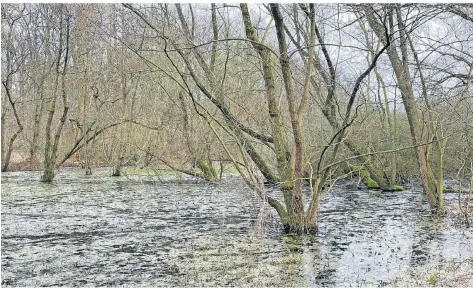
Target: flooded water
140,230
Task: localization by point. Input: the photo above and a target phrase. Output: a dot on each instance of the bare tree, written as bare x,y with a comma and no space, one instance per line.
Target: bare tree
51,145
288,149
14,55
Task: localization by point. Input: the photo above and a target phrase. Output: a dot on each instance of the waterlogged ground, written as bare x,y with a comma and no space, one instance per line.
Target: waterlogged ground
152,231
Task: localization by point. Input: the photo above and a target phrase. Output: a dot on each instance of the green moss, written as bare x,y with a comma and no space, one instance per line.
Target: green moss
138,171
208,171
149,171
365,177
369,182
398,188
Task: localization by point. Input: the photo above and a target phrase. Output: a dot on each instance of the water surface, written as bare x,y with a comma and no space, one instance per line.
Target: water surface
143,230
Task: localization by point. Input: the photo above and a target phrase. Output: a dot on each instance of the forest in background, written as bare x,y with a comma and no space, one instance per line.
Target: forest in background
287,93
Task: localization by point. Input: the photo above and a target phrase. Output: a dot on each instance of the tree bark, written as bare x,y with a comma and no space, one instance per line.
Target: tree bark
50,153
404,81
13,62
284,167
329,107
6,157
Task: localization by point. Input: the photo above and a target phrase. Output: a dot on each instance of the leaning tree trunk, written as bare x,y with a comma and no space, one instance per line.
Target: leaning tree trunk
7,85
401,70
6,157
386,117
208,172
214,95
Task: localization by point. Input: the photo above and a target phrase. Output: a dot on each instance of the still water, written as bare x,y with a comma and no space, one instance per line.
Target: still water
142,230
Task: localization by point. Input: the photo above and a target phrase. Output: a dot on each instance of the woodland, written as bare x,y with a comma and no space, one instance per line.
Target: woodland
292,96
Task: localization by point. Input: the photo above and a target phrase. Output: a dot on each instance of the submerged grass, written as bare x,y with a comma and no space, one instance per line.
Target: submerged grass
238,262
259,262
452,273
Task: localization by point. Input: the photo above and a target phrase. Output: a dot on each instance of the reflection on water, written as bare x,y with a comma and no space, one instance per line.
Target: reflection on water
133,230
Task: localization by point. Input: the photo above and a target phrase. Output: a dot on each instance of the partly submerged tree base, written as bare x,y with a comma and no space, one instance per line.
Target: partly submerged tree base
370,183
48,176
116,172
88,170
209,173
299,225
289,229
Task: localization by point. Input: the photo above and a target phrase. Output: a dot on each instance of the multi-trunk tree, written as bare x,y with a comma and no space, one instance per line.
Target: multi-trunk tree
52,141
287,148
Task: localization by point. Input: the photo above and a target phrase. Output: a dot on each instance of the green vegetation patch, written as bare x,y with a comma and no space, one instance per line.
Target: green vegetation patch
368,181
149,171
398,188
365,177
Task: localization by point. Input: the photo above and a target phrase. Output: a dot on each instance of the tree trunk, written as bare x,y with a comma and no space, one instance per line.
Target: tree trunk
116,171
39,108
7,85
236,126
385,118
329,109
404,81
208,171
85,130
4,114
284,167
51,147
7,156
